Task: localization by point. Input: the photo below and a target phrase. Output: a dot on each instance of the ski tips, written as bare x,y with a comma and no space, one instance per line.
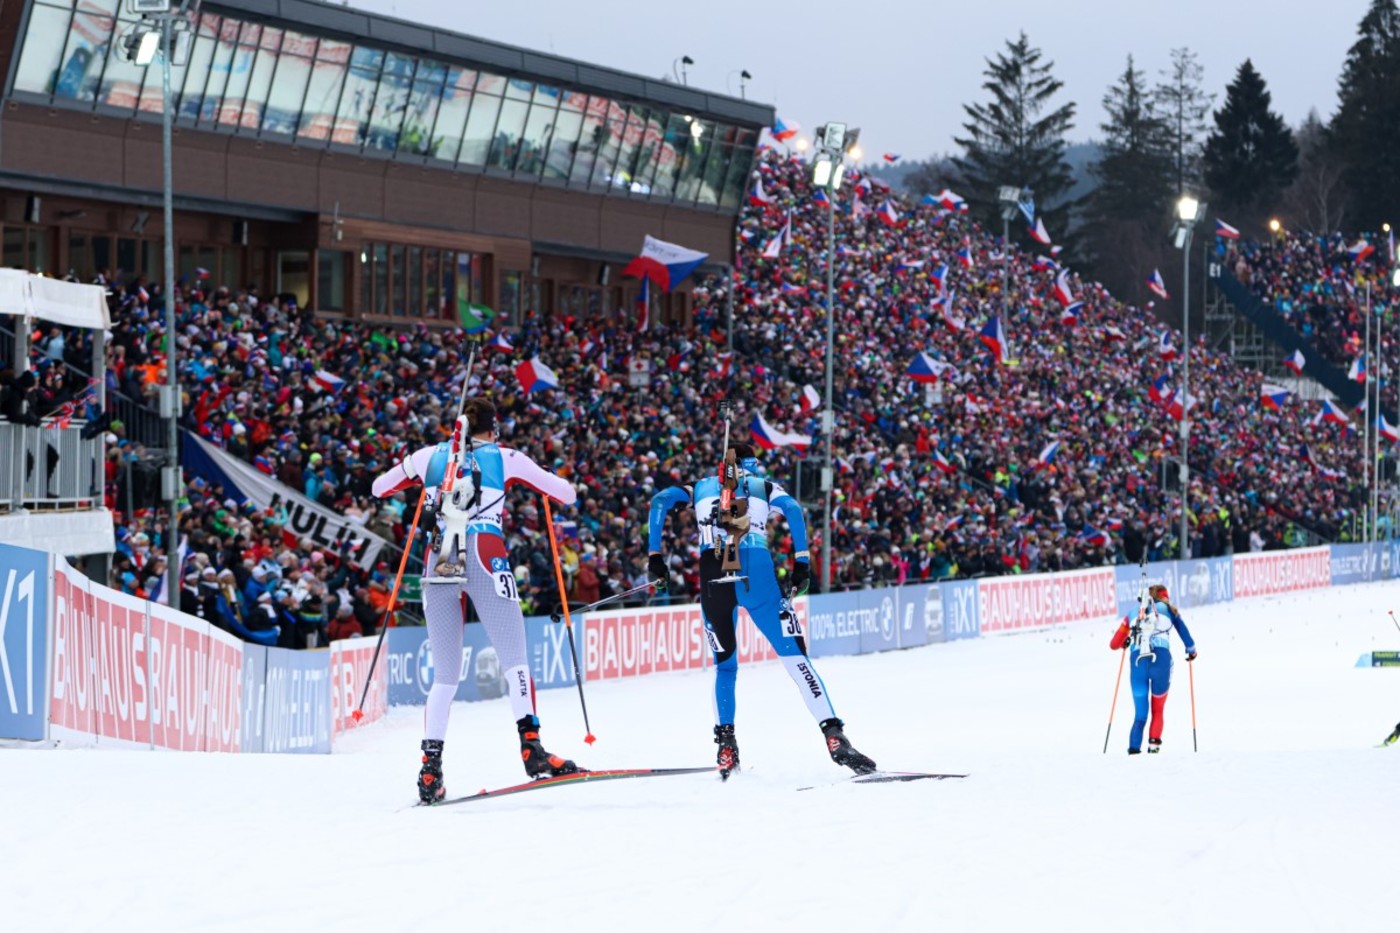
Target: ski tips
589,739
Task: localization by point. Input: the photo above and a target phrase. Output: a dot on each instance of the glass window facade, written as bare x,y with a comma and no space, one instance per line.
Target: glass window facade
272,83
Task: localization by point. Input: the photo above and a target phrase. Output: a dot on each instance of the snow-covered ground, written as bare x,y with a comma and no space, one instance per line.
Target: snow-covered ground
1286,819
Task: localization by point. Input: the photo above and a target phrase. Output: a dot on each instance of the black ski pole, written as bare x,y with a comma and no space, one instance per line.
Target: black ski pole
1393,619
609,599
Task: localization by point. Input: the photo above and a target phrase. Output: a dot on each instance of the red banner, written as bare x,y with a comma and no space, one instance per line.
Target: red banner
1011,604
633,642
1282,571
140,672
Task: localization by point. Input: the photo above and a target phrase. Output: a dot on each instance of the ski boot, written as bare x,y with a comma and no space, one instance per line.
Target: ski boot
538,762
1134,751
430,786
842,752
1393,737
727,759
1154,746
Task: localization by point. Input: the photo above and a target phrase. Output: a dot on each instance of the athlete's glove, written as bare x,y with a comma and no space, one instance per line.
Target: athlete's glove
801,578
1191,656
660,576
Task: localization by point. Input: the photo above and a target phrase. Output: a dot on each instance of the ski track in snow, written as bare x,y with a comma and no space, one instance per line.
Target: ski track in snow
1284,820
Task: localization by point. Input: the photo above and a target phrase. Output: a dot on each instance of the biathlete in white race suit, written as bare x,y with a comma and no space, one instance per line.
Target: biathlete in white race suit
471,563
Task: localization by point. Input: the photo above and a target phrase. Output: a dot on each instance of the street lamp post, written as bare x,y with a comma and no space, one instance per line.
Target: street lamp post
1189,212
1010,198
828,166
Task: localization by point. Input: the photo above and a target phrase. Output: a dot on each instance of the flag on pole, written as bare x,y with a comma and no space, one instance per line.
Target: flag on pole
1039,233
784,130
768,437
1062,290
1357,372
942,462
1047,454
1069,317
1386,430
473,317
533,375
892,157
502,343
925,369
666,264
1156,285
1222,229
1295,361
994,336
1164,347
758,197
1360,250
774,247
1272,397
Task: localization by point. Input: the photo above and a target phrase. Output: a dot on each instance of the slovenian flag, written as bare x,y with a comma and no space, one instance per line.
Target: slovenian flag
1070,315
1164,347
1272,397
1386,430
1047,454
664,263
942,463
1062,290
769,437
1039,233
1222,229
534,375
783,131
1360,250
1157,286
328,380
502,343
1296,361
1357,372
811,398
995,338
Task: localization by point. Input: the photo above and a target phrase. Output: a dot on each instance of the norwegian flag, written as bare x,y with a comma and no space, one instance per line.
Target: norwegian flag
1156,285
1165,349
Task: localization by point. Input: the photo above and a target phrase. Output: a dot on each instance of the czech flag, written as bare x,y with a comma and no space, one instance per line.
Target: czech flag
947,200
906,264
774,247
810,399
1295,362
820,197
643,306
965,257
1062,290
1044,264
892,157
1222,229
1272,397
1112,333
1386,430
328,381
1092,537
940,275
995,338
1039,233
200,272
1331,414
783,131
942,463
769,437
1157,286
926,369
1159,391
1047,454
787,288
956,324
501,342
758,197
1164,347
534,375
1070,315
1306,456
1360,250
888,215
664,263
1357,372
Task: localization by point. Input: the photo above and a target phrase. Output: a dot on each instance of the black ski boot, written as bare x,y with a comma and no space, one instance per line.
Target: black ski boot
538,762
1393,737
1154,746
1134,751
430,786
727,759
842,752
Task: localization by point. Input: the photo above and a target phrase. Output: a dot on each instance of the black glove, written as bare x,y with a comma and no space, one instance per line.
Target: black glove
1191,656
660,576
801,578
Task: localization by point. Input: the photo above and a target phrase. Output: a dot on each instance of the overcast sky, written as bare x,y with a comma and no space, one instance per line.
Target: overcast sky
901,69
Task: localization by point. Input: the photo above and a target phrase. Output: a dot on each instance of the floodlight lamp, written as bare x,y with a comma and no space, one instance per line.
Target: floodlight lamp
1188,209
855,152
142,47
1274,225
800,144
697,129
821,171
836,176
1008,194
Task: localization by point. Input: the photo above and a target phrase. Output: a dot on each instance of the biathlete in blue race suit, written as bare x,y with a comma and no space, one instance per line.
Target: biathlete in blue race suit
1149,654
758,593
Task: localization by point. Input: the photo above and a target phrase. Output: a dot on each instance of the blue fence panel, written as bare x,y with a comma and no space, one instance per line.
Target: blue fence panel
1351,563
962,611
548,645
920,614
253,737
833,624
410,666
297,702
24,643
878,611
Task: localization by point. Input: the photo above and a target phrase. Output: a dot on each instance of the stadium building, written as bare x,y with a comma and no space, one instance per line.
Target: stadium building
374,168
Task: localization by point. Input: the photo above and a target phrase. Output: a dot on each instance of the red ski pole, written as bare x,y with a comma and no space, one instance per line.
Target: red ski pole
1118,681
359,712
1191,671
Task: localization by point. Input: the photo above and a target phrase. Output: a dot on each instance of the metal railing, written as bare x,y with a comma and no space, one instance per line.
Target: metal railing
47,467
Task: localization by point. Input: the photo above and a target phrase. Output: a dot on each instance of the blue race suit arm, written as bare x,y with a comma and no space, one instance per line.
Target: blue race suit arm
797,523
661,503
1180,625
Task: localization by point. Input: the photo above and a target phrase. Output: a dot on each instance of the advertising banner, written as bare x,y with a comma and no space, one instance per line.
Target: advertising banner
254,697
135,671
1269,572
24,643
410,669
1020,603
1356,563
350,671
920,611
306,519
962,610
295,702
832,628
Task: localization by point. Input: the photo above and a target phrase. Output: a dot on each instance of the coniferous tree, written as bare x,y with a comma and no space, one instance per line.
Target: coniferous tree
1365,131
1128,211
1184,105
1017,139
1250,156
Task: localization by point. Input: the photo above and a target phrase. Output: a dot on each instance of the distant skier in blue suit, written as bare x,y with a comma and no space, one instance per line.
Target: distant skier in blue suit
757,592
1148,641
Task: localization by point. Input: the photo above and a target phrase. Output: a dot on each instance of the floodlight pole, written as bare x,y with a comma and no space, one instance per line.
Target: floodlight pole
173,481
